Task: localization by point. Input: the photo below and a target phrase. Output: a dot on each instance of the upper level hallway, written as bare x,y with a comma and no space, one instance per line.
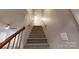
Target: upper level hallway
39,28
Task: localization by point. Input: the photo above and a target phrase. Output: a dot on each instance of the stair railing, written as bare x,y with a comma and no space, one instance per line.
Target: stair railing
16,37
44,24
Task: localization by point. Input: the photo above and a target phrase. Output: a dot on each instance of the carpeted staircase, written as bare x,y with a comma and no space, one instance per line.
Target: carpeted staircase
37,39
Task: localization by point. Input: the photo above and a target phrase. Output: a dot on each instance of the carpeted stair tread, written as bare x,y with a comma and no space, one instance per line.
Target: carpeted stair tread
36,39
36,46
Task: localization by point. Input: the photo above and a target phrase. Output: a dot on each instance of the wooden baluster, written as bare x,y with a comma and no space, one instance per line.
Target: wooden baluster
20,40
8,45
17,41
10,38
14,42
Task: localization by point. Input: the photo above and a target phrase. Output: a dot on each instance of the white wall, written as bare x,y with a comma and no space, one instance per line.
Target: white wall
28,22
59,22
37,17
14,17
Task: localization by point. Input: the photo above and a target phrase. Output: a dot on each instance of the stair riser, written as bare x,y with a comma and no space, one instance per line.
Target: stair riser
37,39
37,35
38,29
37,47
36,32
36,42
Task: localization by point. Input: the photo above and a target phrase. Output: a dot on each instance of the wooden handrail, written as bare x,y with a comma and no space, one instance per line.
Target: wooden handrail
7,40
